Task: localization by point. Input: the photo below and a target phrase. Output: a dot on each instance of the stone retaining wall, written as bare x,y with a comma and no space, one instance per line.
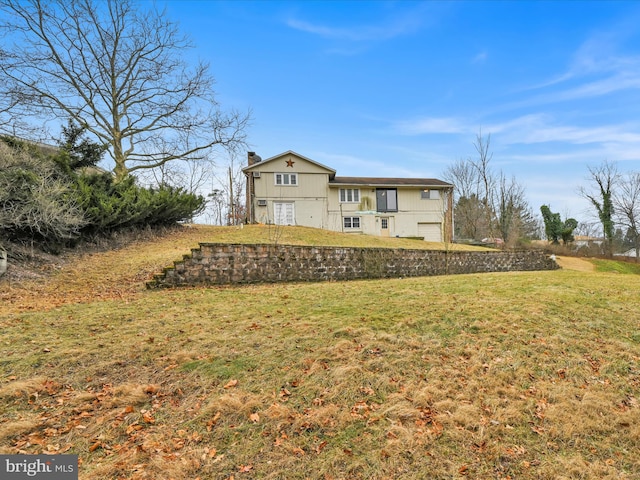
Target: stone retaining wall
222,264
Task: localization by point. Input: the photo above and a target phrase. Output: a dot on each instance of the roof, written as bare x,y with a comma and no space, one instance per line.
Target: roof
388,182
363,181
288,152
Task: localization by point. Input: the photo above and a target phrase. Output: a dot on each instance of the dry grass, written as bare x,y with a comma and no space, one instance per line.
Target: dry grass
525,375
120,274
574,263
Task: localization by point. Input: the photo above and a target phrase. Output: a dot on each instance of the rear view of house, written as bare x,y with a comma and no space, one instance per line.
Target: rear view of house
290,189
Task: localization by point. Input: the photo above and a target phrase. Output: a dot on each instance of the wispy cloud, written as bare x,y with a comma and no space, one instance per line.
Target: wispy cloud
532,129
537,128
431,125
480,57
356,33
599,67
392,26
351,165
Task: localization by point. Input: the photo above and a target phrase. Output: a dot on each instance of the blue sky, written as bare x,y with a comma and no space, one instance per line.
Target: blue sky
402,88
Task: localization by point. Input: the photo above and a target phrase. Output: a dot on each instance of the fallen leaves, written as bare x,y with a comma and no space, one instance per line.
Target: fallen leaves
231,384
362,409
284,394
318,449
213,421
147,416
61,410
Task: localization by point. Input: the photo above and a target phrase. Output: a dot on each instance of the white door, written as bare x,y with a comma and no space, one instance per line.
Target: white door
384,226
283,213
431,232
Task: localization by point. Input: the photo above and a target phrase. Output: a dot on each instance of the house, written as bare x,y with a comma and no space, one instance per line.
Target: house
580,241
290,189
631,253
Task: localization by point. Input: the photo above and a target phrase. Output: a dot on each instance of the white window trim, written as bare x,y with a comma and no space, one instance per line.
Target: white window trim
351,219
291,179
430,194
343,195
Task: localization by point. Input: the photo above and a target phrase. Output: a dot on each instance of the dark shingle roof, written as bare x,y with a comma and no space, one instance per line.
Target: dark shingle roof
389,182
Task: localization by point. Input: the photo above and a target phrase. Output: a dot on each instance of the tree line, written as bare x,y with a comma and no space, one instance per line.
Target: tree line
492,208
115,74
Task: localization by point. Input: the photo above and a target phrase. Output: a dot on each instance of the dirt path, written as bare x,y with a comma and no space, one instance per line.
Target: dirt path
573,263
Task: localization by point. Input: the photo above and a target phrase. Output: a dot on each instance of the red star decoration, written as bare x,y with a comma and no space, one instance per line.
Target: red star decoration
290,163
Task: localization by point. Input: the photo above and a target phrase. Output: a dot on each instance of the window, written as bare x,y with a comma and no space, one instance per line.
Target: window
286,179
386,200
349,195
384,223
427,194
351,222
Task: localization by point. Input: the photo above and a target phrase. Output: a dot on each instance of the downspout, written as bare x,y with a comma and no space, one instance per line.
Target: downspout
249,199
449,216
250,193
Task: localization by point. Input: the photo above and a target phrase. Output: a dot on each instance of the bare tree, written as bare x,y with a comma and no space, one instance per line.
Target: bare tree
626,201
118,72
228,194
192,175
462,174
514,219
473,210
11,123
603,180
486,178
487,203
217,202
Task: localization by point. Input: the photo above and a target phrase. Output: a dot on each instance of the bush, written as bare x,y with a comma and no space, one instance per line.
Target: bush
36,202
109,206
55,199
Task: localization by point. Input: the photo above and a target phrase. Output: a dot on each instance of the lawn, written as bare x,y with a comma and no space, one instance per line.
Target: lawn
530,375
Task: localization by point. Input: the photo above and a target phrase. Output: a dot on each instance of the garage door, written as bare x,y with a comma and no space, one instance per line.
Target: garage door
430,231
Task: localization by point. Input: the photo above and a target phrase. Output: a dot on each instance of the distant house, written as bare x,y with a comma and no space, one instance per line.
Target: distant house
586,241
631,253
290,189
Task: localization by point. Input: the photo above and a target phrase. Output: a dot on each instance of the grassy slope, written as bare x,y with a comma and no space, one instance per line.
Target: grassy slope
521,375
